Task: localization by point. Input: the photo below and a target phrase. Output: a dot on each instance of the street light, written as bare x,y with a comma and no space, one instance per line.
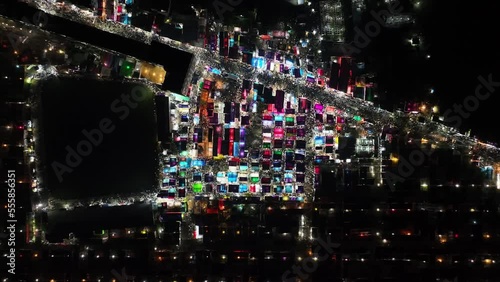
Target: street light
180,231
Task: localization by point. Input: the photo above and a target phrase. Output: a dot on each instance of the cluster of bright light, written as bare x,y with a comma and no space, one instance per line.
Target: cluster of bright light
132,32
289,98
332,20
327,96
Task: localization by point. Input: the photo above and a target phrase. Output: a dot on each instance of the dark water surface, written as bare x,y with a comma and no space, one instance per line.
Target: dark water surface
125,161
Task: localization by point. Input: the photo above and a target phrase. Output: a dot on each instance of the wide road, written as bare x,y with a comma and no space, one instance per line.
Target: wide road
431,130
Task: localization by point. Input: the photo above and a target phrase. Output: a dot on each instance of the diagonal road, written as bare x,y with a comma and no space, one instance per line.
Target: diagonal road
352,106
